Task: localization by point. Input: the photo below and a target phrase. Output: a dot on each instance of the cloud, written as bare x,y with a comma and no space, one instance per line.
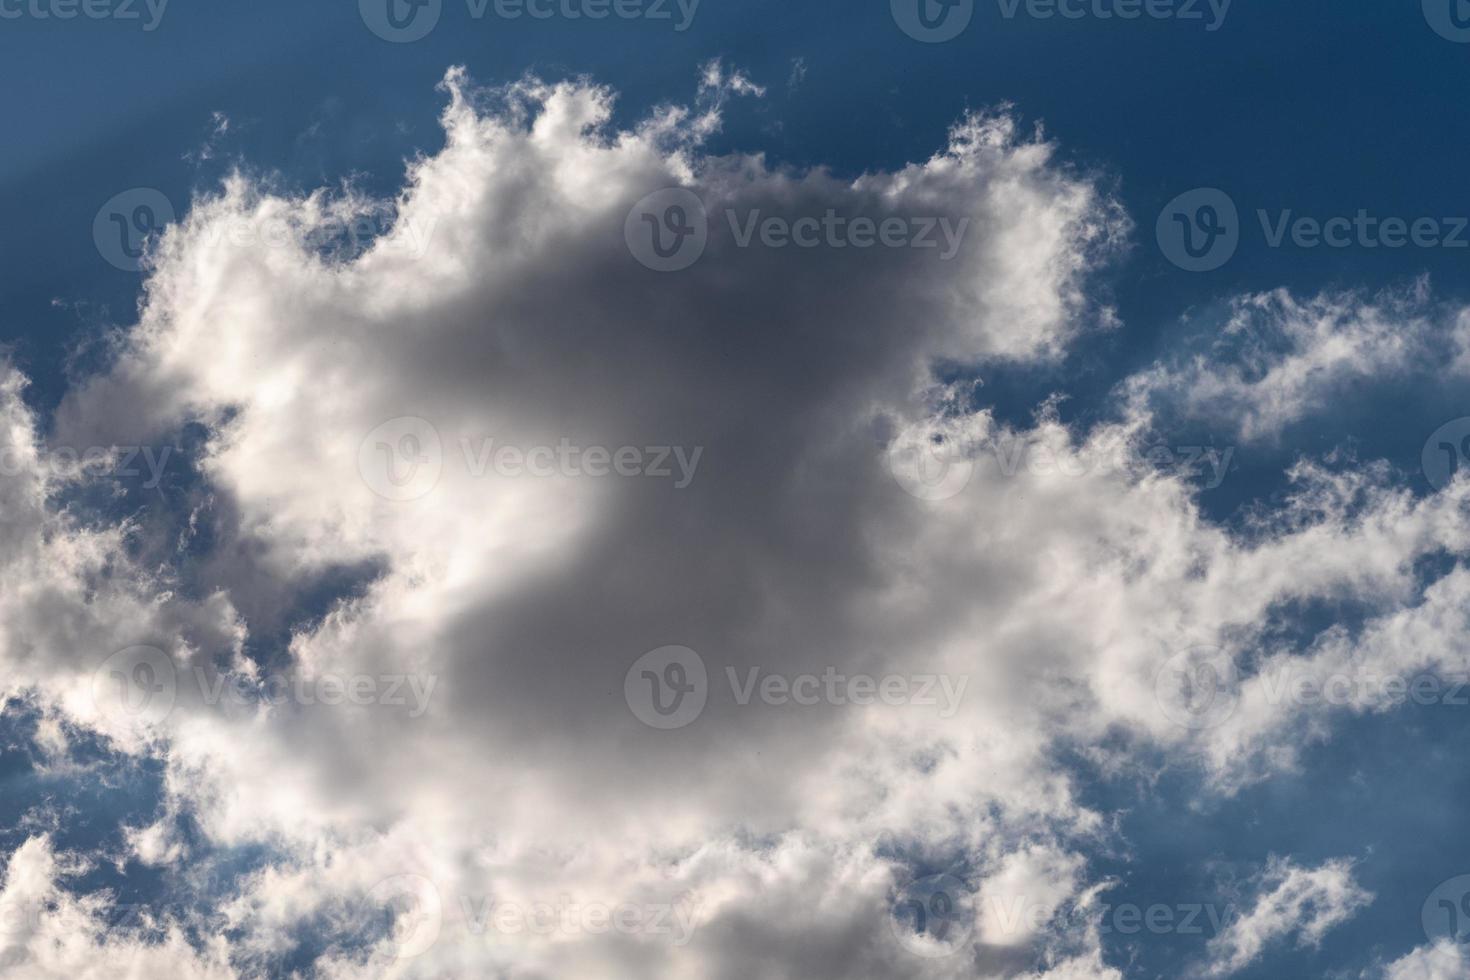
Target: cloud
50,934
1442,961
1282,358
1306,903
357,406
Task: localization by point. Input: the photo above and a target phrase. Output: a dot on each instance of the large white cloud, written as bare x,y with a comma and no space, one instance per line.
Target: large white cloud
1045,575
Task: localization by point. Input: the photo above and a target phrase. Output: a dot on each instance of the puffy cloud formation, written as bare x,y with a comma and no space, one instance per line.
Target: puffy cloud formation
1294,901
1280,359
555,496
1443,961
50,934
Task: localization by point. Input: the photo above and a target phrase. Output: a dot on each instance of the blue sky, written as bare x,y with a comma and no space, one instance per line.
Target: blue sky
1323,110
